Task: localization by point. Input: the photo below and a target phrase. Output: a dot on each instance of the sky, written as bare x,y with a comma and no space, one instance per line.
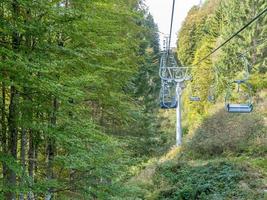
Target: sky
161,11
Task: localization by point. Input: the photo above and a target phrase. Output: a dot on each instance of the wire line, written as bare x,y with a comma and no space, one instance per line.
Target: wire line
170,36
234,35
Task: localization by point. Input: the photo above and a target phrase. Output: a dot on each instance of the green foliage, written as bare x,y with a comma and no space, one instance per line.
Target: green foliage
77,78
205,28
224,158
215,180
79,89
223,133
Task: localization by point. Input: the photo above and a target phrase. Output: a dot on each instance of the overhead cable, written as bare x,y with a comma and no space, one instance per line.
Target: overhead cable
234,35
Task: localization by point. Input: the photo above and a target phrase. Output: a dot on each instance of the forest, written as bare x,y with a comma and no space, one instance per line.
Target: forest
79,103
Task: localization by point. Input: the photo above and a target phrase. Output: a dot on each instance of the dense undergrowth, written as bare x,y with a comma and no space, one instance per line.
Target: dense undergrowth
223,158
212,180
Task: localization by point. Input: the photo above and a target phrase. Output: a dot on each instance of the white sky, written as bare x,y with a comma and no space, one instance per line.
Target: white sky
161,11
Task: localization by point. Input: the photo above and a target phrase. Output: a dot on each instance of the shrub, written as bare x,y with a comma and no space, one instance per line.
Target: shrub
225,133
215,180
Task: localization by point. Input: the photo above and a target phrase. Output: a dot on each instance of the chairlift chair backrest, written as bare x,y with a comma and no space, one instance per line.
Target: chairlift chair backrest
214,86
245,107
193,97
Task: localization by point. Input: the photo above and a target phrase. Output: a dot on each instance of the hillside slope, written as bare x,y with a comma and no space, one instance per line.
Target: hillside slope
224,158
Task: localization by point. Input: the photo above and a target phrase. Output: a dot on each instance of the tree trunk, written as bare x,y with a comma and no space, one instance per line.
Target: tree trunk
23,144
51,149
3,110
35,158
13,114
3,128
12,141
31,158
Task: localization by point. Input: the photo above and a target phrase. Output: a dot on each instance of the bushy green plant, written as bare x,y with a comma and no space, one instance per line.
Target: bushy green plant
224,133
215,180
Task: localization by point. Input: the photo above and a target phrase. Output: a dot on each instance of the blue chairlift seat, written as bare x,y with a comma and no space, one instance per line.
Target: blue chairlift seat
194,98
168,99
211,98
245,107
239,108
168,105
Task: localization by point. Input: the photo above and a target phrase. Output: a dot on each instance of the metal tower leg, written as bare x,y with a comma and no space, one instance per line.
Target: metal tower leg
178,115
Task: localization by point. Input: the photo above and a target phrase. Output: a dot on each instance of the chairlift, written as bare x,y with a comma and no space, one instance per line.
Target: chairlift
192,97
168,98
169,70
213,87
171,75
243,107
211,98
246,106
